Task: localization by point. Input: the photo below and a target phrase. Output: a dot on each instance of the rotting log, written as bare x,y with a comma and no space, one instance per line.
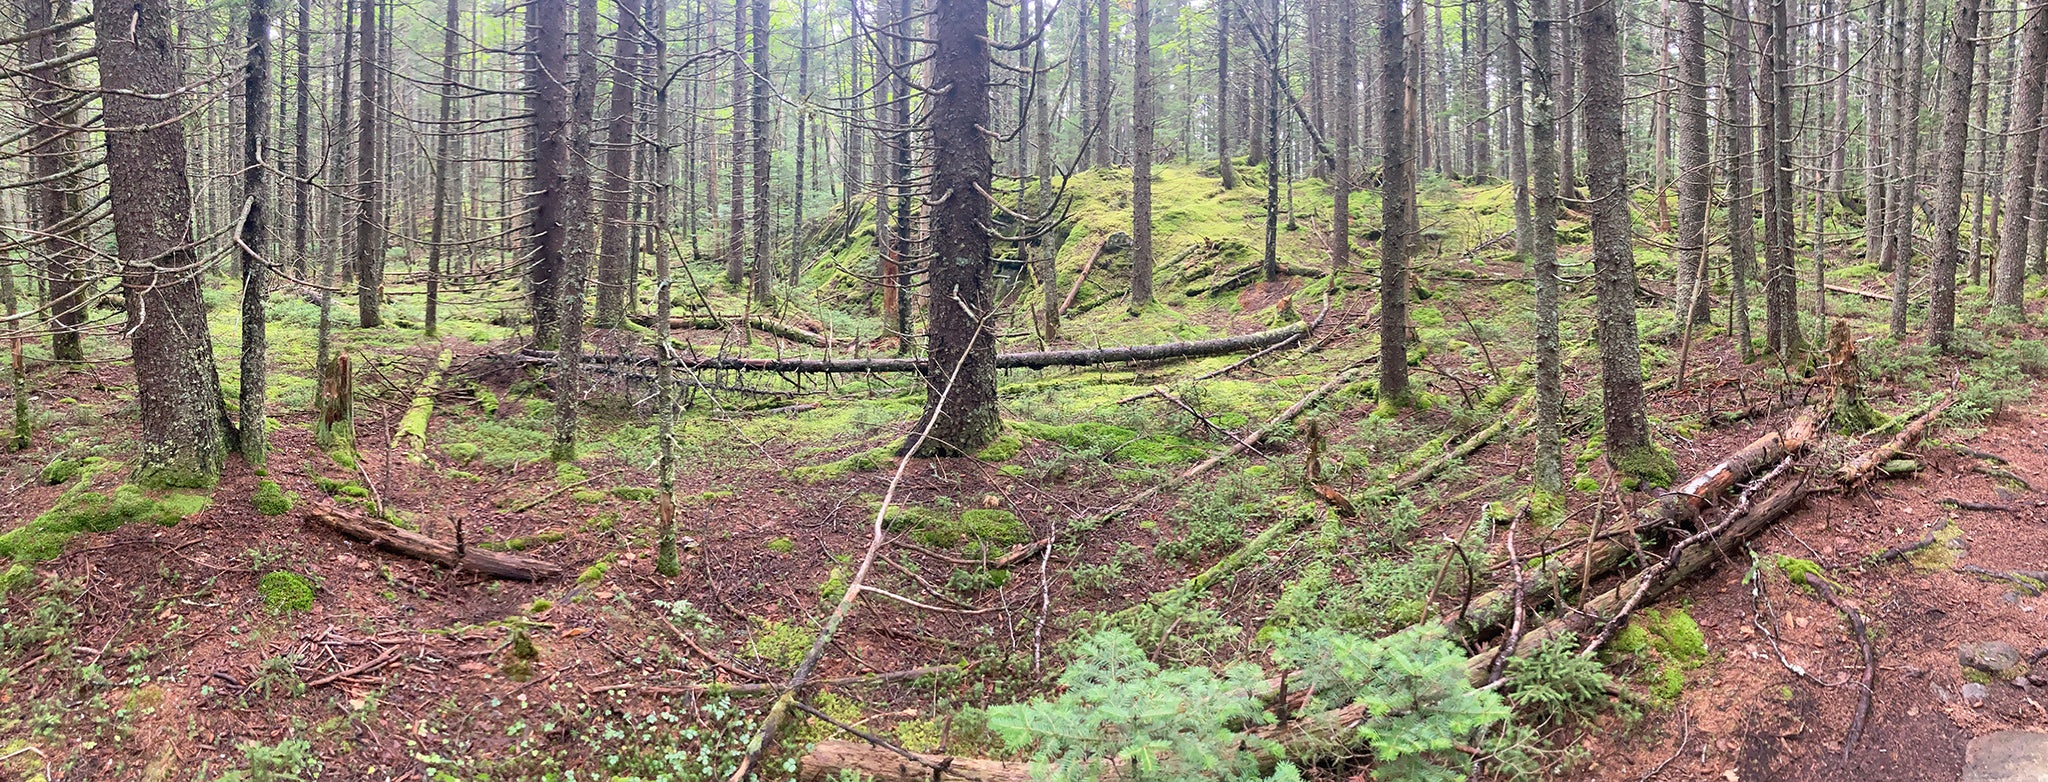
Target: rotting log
1864,294
1041,359
1859,470
412,429
1086,266
387,536
1679,507
1696,559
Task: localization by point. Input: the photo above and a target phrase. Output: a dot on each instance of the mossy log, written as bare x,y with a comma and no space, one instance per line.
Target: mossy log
1040,359
385,535
1858,470
412,429
1489,610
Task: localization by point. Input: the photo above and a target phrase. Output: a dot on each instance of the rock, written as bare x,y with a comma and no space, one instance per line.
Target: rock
1994,657
2007,756
1942,693
1974,694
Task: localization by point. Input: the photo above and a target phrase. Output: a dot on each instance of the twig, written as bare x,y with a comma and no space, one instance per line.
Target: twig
941,609
387,656
1900,552
1862,632
938,768
1986,507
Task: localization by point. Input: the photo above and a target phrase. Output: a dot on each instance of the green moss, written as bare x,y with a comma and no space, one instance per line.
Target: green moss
1003,449
462,452
781,644
1632,639
1677,637
588,496
1668,683
633,493
520,656
525,542
594,573
1585,484
353,489
860,462
1940,556
18,578
1114,443
539,606
271,499
1649,465
834,586
60,471
780,545
285,592
1796,570
80,510
567,473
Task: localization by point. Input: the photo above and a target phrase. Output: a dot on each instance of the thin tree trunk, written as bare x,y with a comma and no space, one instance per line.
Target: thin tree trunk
1781,301
763,289
302,155
444,144
2009,278
1223,167
1695,166
1141,155
1269,263
615,246
735,219
1103,69
803,127
1741,192
1959,64
56,202
255,235
369,193
1341,180
1907,192
1549,464
664,304
582,235
1397,190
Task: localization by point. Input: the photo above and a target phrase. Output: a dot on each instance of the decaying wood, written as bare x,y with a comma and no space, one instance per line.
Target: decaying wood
1009,559
1855,292
788,331
1677,508
1852,475
1900,552
1026,360
390,537
1745,527
1862,633
1982,507
412,429
1081,277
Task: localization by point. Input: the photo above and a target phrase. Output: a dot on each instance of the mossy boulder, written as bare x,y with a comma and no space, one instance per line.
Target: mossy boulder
271,499
285,592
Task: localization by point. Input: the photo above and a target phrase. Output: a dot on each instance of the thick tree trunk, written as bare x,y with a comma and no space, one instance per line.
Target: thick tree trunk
1959,65
614,255
369,191
1141,155
255,235
56,202
2009,278
183,437
550,80
1397,191
1781,283
960,391
1629,449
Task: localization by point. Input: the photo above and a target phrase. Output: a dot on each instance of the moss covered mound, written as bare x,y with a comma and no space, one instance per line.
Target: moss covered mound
285,592
81,510
271,499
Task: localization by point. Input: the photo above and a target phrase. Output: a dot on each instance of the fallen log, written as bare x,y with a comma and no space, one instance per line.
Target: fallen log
1679,507
1858,470
1695,560
387,536
1040,359
412,429
1087,265
1864,294
786,331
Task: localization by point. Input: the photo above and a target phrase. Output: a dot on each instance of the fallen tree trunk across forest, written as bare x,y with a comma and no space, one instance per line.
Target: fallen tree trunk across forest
390,537
1042,359
1488,611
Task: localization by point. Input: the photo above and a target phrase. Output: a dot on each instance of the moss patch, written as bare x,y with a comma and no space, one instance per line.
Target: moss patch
865,460
633,493
1647,467
1003,449
990,527
285,592
588,496
271,499
81,510
1114,443
1941,555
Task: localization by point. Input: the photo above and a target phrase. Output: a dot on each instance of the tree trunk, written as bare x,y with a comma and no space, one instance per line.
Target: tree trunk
1103,70
1781,283
1341,179
2010,274
330,256
1741,191
255,234
1906,195
369,176
1959,65
1397,190
1549,463
1223,167
549,20
1695,166
302,157
183,439
444,144
803,127
1629,450
960,391
582,235
615,246
763,289
1270,81
664,303
1141,155
55,202
735,219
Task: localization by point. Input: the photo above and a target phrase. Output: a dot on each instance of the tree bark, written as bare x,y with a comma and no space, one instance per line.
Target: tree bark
1621,368
1906,194
183,439
1549,467
254,238
1781,283
2010,270
369,191
444,146
1341,178
1741,192
763,289
1223,166
1141,155
735,220
1397,191
56,202
387,536
1959,66
1103,70
1695,166
960,391
615,246
582,235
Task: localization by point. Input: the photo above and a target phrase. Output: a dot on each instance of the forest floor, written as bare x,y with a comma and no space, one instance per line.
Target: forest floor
174,651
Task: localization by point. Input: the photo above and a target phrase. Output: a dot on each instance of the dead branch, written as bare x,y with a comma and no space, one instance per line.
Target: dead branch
1862,632
1852,475
387,536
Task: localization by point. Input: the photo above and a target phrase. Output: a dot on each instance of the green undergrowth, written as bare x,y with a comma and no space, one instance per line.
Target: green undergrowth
1663,646
285,592
992,529
81,510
